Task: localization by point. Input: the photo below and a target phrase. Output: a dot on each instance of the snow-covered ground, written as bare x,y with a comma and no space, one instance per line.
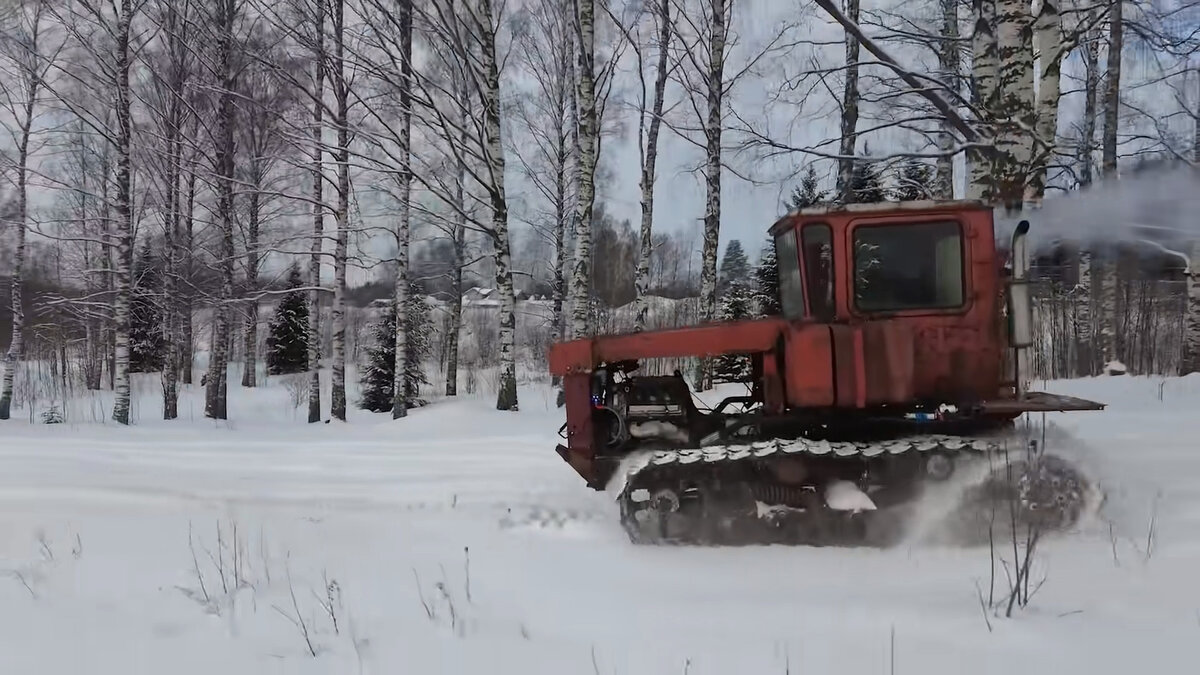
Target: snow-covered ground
456,541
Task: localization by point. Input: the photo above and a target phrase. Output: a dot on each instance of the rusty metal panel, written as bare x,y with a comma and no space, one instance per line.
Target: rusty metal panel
741,337
845,365
808,359
889,350
571,357
1040,401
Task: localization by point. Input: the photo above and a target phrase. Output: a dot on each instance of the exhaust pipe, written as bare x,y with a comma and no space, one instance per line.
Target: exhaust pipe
1020,309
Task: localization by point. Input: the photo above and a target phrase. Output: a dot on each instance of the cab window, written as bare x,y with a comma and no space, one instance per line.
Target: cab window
908,266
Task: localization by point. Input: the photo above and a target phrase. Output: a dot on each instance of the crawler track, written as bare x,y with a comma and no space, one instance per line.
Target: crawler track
738,494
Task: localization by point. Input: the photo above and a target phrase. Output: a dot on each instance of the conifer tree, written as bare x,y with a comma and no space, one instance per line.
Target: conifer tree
807,194
866,183
147,338
378,378
736,305
914,180
766,282
287,338
735,268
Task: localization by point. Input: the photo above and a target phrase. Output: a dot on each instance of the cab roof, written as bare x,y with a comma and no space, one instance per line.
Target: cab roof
879,208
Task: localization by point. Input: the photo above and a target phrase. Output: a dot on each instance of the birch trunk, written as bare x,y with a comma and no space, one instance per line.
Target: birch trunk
950,72
16,346
1016,116
250,343
1085,349
713,123
566,147
581,278
1191,345
318,226
460,257
1112,88
1190,362
1091,93
216,390
985,70
123,269
337,397
404,180
646,249
849,137
456,281
188,357
506,397
1049,31
170,375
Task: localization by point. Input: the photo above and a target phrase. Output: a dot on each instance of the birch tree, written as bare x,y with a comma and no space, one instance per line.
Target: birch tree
1112,88
26,55
703,38
171,69
649,126
100,55
222,20
403,196
386,58
546,49
340,83
849,117
263,100
585,73
462,38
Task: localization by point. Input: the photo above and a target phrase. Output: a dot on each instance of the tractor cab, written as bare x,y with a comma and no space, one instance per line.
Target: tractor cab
875,261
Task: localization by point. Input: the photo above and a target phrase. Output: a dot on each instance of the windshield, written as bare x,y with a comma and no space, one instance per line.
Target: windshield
908,266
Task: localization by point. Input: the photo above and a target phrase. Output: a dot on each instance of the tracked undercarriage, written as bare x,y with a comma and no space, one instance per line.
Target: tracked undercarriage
803,491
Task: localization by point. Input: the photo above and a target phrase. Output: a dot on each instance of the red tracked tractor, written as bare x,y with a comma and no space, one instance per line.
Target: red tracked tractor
898,360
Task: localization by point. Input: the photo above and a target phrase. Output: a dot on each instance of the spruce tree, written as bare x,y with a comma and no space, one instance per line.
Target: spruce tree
378,378
866,183
766,282
735,267
147,337
287,336
807,194
914,180
737,305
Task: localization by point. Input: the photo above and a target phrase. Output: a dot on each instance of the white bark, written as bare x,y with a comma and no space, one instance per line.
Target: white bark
1112,88
318,216
337,398
849,132
1016,116
29,83
714,80
985,68
1049,34
216,386
581,277
1084,349
460,243
506,397
175,26
950,72
123,267
662,16
187,297
1191,336
1091,92
403,193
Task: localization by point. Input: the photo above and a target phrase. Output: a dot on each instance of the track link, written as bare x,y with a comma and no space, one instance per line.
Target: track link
725,495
